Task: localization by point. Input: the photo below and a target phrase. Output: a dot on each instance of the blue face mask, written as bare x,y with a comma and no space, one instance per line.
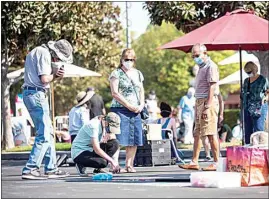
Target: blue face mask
198,61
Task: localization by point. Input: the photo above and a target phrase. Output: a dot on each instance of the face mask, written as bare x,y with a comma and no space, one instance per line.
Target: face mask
152,97
128,64
198,61
190,95
250,75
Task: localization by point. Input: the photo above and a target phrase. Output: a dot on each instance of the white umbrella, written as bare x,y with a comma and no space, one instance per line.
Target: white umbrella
71,70
235,58
234,78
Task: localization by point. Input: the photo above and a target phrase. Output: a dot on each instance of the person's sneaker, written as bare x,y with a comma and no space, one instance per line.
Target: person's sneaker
208,159
96,171
57,174
33,175
81,170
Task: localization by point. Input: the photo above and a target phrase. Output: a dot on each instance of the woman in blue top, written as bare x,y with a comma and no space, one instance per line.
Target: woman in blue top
255,89
126,83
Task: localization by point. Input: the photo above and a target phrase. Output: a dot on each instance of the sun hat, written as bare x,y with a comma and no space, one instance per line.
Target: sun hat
113,120
83,97
63,50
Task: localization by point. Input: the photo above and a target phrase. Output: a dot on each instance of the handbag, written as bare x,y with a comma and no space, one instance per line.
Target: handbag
144,113
254,108
252,163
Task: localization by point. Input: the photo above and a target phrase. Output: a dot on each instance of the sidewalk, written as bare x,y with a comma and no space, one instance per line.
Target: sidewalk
25,155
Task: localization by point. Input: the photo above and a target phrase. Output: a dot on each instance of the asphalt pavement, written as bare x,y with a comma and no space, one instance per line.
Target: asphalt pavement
148,182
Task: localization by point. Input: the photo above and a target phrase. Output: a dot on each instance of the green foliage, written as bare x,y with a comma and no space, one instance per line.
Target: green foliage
164,71
168,71
93,28
188,16
231,116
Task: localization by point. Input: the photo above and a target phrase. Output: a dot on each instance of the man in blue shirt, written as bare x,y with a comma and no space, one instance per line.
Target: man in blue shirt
37,77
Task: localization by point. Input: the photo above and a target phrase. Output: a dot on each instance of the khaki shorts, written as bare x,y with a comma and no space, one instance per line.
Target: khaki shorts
209,126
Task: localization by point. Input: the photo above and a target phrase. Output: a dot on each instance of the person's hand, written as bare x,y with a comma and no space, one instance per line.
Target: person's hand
220,119
141,107
134,109
204,114
105,138
60,73
115,167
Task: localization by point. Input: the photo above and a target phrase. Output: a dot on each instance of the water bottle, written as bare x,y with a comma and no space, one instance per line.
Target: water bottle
102,176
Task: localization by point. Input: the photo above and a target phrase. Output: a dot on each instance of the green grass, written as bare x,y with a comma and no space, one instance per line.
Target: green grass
59,147
67,146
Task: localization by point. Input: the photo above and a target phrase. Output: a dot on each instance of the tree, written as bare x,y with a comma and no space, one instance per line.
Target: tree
168,71
188,16
91,27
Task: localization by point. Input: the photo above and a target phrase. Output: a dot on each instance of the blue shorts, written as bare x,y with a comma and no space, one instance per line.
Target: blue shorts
130,126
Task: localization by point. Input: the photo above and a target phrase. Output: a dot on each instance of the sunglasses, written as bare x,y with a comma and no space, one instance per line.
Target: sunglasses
195,56
129,60
249,72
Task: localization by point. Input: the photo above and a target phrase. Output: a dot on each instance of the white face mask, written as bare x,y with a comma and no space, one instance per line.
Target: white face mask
128,64
250,75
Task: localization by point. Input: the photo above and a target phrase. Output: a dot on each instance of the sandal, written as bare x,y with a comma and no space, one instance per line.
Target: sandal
130,169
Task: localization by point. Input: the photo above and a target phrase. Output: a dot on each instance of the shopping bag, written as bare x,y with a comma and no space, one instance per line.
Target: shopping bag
252,163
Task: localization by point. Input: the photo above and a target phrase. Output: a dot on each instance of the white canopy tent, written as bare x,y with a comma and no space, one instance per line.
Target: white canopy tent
71,70
235,77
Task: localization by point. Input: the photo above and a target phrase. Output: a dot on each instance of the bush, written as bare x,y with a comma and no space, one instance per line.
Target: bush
231,116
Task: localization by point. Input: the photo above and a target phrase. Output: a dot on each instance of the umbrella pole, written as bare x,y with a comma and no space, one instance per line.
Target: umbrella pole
53,111
242,104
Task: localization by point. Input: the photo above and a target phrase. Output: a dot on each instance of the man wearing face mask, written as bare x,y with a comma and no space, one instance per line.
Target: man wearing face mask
186,114
206,107
37,77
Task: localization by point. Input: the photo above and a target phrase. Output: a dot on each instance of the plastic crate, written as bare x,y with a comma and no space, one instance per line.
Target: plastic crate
155,152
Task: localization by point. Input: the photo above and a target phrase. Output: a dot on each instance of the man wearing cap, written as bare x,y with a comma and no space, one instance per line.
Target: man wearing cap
96,143
37,77
79,114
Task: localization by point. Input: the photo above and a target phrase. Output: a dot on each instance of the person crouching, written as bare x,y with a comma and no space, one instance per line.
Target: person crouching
96,143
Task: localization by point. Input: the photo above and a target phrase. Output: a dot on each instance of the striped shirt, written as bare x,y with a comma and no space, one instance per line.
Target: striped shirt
207,74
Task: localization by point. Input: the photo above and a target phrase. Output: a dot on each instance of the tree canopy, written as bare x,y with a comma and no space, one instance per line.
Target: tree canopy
187,15
168,72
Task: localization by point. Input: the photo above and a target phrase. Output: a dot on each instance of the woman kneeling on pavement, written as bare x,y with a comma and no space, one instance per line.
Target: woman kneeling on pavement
96,143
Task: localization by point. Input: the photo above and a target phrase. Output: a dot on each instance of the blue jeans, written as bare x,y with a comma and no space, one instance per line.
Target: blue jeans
254,124
37,105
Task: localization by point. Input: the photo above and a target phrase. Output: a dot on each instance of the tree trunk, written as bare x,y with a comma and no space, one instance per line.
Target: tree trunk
263,57
7,141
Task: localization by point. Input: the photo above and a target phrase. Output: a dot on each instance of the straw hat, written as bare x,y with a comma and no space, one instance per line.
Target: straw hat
83,97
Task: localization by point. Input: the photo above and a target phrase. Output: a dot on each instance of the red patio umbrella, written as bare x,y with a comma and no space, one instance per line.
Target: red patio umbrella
237,30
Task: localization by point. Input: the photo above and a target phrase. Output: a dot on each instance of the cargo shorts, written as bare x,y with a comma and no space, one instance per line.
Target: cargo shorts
209,126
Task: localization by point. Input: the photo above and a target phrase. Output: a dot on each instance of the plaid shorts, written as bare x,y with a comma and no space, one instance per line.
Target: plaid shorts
209,126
